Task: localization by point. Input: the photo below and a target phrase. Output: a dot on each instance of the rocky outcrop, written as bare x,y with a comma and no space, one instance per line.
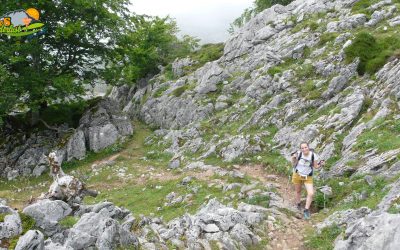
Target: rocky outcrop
11,225
33,239
47,214
99,127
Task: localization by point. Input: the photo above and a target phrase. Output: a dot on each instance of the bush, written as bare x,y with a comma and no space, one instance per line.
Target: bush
373,53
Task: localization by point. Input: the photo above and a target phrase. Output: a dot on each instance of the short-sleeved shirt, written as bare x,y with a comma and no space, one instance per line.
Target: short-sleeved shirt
304,163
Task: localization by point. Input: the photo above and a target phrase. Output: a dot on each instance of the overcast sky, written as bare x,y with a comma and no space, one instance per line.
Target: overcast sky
205,19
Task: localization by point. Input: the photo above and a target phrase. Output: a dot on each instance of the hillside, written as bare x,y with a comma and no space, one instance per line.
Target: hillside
198,156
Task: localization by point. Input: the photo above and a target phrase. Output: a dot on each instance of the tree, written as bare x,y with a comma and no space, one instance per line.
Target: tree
150,42
79,36
83,41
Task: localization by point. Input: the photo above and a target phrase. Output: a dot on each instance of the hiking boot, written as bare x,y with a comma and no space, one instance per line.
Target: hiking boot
307,214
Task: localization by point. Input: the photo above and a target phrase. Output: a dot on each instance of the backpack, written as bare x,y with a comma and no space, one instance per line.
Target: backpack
304,172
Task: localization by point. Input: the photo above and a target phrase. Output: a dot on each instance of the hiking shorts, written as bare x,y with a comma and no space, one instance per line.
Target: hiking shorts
298,179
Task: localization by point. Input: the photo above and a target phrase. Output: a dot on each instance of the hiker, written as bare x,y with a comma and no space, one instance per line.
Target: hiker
304,162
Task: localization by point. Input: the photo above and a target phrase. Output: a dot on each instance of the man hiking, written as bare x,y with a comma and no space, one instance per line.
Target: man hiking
304,162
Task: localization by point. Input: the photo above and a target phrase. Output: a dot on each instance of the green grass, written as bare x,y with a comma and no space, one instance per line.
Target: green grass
144,199
2,216
69,221
28,223
384,138
278,69
324,240
373,51
260,200
159,92
362,7
327,37
351,186
308,90
179,91
206,53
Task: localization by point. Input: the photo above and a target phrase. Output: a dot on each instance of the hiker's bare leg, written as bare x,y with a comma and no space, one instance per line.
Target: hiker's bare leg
310,194
298,192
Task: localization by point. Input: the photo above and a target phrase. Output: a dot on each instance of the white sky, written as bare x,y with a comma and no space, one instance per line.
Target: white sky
205,19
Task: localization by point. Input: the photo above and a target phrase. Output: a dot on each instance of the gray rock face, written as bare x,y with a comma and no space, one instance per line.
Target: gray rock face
104,124
209,76
373,232
100,230
47,214
76,148
347,23
100,127
31,240
21,155
178,66
11,226
343,218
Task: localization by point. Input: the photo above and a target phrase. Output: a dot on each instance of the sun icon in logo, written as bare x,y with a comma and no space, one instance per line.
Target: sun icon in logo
32,12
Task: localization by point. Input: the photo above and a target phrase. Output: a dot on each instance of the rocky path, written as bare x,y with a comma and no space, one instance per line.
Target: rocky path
292,231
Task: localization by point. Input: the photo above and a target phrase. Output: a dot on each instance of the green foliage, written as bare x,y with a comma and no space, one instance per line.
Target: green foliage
99,39
208,52
305,71
324,240
93,156
384,137
57,65
155,43
274,70
327,37
160,91
179,91
27,222
362,7
308,90
69,221
373,53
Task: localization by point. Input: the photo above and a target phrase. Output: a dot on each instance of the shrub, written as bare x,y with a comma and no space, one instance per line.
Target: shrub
373,53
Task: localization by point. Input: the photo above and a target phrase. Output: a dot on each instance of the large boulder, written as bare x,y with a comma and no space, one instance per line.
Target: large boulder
11,225
104,124
47,214
372,232
31,240
100,230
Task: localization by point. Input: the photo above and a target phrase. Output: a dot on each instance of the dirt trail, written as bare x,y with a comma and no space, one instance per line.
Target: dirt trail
291,234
